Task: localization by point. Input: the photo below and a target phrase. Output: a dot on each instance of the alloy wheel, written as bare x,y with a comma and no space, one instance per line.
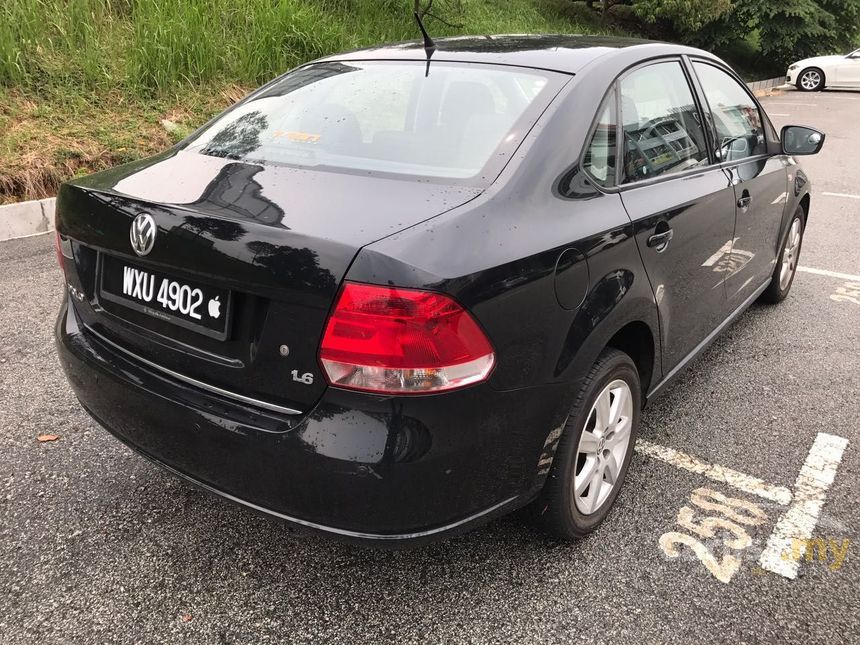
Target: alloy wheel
603,447
810,80
789,255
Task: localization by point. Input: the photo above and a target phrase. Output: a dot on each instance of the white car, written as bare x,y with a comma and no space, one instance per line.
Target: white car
813,74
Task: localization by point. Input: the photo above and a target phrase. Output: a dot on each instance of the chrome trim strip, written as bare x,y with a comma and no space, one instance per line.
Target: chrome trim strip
191,381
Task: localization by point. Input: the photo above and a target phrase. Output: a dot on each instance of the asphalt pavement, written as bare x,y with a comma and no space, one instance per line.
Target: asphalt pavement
97,545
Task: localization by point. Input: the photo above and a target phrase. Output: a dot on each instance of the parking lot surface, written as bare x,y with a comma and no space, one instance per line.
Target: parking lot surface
97,545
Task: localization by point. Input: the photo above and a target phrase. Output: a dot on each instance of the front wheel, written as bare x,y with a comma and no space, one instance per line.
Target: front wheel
810,80
786,263
595,449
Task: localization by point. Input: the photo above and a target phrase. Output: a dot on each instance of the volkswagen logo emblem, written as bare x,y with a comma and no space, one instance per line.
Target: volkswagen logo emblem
142,233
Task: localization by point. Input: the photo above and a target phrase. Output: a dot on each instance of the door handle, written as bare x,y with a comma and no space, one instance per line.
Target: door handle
745,200
659,241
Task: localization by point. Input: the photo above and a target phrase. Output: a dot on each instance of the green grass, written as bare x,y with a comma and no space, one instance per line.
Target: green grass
59,134
156,45
84,84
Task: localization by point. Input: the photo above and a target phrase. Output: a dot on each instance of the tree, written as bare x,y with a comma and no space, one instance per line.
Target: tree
605,5
787,30
686,17
795,29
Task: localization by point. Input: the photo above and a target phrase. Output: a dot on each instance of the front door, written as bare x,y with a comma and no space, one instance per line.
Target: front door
760,181
682,207
848,70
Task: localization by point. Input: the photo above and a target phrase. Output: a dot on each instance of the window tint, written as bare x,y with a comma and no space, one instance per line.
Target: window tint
599,159
661,125
736,116
385,117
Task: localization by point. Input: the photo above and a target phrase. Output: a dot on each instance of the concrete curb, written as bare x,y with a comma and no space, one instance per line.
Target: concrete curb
767,87
27,218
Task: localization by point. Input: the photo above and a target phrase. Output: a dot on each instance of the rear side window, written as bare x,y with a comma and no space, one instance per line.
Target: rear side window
599,160
662,126
737,119
392,117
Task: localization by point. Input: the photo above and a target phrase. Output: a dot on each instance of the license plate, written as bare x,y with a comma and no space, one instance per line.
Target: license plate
188,304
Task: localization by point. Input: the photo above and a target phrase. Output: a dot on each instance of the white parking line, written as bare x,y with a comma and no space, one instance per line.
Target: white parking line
833,95
810,492
777,114
831,274
742,481
848,195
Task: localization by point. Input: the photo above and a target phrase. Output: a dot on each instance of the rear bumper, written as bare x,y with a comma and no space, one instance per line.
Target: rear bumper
357,466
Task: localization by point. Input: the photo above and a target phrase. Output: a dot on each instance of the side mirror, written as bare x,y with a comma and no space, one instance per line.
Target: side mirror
800,140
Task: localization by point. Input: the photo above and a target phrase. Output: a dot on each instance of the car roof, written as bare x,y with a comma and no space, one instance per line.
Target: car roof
561,53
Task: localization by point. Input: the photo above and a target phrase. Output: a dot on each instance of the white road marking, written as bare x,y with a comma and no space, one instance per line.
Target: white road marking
810,492
833,95
793,103
742,481
830,274
723,250
24,237
777,114
848,195
836,96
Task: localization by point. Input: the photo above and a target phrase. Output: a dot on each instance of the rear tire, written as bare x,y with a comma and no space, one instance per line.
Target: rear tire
810,80
786,263
588,471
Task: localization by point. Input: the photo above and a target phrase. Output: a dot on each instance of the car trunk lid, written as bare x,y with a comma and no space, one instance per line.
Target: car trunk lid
278,239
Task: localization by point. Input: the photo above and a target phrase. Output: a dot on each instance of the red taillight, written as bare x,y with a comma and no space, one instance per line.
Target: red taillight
405,341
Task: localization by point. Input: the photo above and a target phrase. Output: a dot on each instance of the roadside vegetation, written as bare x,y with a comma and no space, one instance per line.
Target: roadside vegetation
86,84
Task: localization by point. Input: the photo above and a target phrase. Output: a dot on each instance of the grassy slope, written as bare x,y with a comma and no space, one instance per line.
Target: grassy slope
49,137
85,84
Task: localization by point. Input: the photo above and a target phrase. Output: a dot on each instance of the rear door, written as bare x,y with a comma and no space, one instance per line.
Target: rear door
681,205
760,179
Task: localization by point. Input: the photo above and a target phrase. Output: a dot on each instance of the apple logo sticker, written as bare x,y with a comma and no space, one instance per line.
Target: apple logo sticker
215,307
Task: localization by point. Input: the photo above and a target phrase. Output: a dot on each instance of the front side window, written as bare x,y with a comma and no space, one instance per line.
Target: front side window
599,160
737,119
662,126
389,117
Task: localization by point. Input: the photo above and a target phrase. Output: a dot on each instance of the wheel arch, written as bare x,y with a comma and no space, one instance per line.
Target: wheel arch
804,204
817,69
637,341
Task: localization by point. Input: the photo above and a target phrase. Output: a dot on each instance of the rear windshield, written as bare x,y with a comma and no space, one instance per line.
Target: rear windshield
453,122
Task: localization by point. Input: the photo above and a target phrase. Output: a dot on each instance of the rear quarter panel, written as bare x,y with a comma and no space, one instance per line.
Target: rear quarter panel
498,254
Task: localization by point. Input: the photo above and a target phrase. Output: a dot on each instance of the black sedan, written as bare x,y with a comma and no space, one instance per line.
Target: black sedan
398,292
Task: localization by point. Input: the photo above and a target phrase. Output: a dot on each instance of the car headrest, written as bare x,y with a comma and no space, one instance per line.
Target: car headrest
464,100
338,126
629,113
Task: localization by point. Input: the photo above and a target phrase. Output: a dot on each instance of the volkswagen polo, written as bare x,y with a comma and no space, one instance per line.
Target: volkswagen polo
397,292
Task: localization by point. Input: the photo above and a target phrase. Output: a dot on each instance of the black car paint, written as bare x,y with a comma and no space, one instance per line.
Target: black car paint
384,467
283,255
